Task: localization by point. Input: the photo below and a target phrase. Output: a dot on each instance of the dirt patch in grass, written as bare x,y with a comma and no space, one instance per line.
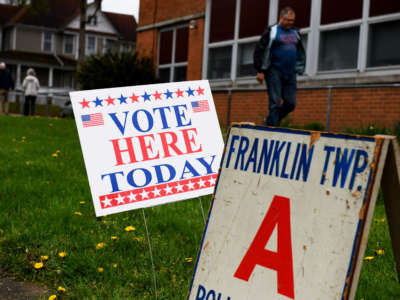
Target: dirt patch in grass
11,289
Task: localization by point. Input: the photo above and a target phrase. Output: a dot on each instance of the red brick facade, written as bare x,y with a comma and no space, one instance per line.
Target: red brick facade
350,107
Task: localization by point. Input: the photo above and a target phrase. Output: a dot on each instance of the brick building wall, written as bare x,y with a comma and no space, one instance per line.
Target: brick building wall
350,107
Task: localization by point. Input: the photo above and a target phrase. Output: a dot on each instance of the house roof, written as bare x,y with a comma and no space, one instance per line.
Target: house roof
7,12
41,58
51,13
124,24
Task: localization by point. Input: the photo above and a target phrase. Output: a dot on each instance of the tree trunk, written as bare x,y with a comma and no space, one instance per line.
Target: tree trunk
82,36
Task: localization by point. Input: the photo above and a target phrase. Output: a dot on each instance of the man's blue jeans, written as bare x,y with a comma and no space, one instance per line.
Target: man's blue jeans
280,86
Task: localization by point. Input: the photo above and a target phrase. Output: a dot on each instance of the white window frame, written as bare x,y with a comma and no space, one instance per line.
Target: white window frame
74,37
51,41
313,42
173,64
87,45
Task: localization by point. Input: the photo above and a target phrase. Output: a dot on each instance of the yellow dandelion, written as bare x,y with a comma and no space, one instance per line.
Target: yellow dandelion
100,270
51,124
115,265
105,221
368,258
82,202
38,265
62,254
44,257
78,213
54,155
58,151
139,238
100,245
114,237
27,162
16,150
52,297
24,137
61,289
130,228
379,252
188,259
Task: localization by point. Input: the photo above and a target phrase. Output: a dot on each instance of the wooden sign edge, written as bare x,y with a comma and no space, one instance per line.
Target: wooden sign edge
354,276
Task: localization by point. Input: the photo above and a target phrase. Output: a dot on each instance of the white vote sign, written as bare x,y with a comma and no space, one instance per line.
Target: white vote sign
148,145
286,217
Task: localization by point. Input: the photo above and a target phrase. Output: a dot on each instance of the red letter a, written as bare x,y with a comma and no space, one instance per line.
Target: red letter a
280,261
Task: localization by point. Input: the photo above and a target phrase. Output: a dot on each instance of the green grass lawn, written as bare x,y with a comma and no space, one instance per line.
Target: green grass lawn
46,209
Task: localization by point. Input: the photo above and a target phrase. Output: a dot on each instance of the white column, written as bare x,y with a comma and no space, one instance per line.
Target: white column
51,77
273,12
235,45
363,42
313,43
206,39
18,79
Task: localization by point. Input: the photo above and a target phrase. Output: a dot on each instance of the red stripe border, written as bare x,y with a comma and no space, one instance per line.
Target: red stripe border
157,191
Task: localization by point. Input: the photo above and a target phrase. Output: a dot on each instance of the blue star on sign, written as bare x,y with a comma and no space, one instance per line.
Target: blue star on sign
98,102
190,92
146,96
122,99
168,94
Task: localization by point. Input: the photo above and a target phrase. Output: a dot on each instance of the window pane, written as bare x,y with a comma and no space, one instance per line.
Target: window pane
304,40
163,74
382,7
303,9
219,62
91,45
47,41
340,10
383,49
180,74
245,57
222,20
165,47
182,40
253,17
69,44
339,49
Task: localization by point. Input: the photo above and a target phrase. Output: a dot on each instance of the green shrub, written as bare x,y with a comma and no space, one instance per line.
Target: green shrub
370,130
115,70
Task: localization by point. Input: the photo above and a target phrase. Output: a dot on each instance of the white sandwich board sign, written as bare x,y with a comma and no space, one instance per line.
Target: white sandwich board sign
290,215
148,145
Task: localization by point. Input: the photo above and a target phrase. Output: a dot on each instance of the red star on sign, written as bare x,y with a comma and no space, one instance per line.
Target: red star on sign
179,93
157,95
85,103
134,98
110,100
200,91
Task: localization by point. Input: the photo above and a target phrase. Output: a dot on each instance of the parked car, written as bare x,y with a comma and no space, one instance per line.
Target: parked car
66,110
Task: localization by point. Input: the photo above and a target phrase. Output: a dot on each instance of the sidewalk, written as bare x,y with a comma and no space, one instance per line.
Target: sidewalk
14,290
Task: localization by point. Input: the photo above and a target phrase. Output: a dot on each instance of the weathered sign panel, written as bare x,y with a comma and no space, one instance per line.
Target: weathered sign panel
148,145
287,215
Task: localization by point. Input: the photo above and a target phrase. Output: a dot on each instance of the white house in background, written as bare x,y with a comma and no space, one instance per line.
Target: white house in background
47,39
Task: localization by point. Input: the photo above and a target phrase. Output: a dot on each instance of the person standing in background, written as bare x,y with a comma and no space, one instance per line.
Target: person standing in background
6,84
278,56
31,87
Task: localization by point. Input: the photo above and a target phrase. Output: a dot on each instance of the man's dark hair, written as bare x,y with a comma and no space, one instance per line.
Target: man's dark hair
285,11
